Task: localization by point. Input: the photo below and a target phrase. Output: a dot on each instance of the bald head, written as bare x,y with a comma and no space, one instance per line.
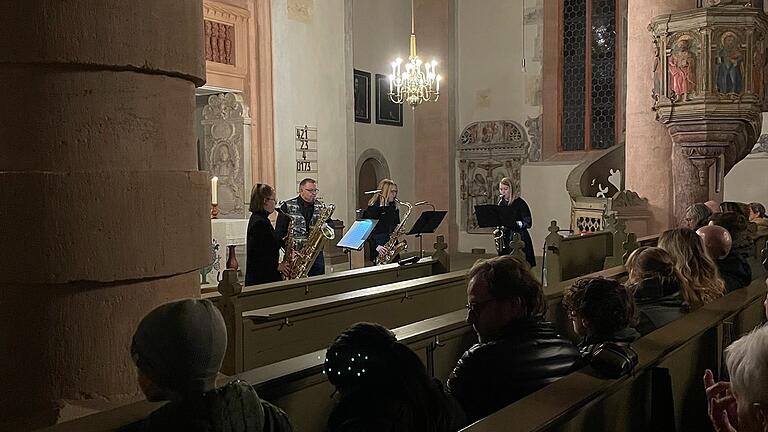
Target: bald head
717,241
713,205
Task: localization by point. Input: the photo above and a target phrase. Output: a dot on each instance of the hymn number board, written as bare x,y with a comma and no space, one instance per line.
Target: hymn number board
306,153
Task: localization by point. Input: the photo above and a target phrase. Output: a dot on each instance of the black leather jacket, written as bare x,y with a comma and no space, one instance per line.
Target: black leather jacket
492,375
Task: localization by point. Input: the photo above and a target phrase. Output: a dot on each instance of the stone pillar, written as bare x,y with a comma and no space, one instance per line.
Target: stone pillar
435,122
104,213
648,145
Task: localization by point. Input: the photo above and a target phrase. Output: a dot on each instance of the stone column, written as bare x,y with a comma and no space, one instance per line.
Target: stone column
104,215
648,145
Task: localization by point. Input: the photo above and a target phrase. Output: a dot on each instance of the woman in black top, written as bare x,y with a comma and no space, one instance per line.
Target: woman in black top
382,207
263,245
520,222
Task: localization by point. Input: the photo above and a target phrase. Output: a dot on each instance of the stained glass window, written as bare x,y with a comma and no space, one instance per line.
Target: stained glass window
574,56
589,78
603,73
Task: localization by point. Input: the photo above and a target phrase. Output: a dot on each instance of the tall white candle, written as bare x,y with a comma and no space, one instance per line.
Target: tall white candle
215,190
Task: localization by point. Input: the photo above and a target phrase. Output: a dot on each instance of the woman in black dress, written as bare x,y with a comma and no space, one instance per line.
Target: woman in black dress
263,245
382,207
520,222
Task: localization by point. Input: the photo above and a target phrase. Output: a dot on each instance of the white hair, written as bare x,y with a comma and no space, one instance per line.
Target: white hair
747,362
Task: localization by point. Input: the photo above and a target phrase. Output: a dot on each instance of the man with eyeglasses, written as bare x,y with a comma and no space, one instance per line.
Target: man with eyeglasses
304,213
518,351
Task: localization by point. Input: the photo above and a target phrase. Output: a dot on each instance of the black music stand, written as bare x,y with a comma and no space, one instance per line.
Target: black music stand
492,216
427,223
356,236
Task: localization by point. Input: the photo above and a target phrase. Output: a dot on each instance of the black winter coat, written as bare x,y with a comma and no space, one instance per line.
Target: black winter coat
263,251
657,305
735,271
492,375
234,407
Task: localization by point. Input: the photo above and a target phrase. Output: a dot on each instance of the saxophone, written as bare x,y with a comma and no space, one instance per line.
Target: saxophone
301,261
394,246
498,233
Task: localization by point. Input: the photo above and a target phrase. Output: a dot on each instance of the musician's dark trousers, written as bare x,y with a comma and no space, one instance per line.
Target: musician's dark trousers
318,267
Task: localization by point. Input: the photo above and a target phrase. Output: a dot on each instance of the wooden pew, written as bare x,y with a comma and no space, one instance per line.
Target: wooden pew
666,390
299,386
233,299
568,257
279,332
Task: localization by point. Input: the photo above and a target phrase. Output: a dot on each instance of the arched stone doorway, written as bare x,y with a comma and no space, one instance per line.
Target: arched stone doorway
372,167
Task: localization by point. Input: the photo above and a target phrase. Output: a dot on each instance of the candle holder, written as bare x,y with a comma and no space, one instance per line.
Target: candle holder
214,211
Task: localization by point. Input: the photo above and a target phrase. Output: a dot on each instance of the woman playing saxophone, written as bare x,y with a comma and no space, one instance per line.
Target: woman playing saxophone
383,207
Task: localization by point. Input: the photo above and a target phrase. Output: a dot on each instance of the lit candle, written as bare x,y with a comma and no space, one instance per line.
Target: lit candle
437,83
215,190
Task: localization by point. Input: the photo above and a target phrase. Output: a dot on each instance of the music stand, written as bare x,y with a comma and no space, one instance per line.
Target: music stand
492,216
427,223
356,236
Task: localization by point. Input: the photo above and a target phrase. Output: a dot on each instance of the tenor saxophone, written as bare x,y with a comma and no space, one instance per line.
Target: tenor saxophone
300,261
394,245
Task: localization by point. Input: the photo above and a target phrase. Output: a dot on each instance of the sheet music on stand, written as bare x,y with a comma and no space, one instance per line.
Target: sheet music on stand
427,223
356,236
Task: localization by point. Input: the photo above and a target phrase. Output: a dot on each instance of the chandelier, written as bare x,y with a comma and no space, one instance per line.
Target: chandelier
419,82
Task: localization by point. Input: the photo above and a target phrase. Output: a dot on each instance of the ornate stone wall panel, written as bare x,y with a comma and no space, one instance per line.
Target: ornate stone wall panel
487,152
224,122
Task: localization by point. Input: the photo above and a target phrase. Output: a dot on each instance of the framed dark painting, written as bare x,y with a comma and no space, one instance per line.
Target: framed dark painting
387,112
362,96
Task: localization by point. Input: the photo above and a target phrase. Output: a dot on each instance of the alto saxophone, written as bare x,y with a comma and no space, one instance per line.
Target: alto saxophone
498,233
394,246
300,262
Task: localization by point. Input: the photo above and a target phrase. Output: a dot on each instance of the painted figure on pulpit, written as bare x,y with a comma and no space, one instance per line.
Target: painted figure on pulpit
730,65
682,69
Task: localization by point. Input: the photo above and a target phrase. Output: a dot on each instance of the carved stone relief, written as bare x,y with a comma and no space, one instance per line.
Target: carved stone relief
487,152
762,144
533,125
224,122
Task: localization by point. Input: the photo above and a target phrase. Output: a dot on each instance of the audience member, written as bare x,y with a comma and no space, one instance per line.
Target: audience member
736,224
713,205
733,267
757,214
601,310
178,349
740,405
518,352
696,216
384,387
735,207
656,285
701,279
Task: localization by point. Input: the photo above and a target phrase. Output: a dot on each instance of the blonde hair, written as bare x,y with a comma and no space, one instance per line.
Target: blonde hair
384,186
508,183
700,277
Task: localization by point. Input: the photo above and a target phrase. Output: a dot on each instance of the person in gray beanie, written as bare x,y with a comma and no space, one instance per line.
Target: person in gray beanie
178,349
